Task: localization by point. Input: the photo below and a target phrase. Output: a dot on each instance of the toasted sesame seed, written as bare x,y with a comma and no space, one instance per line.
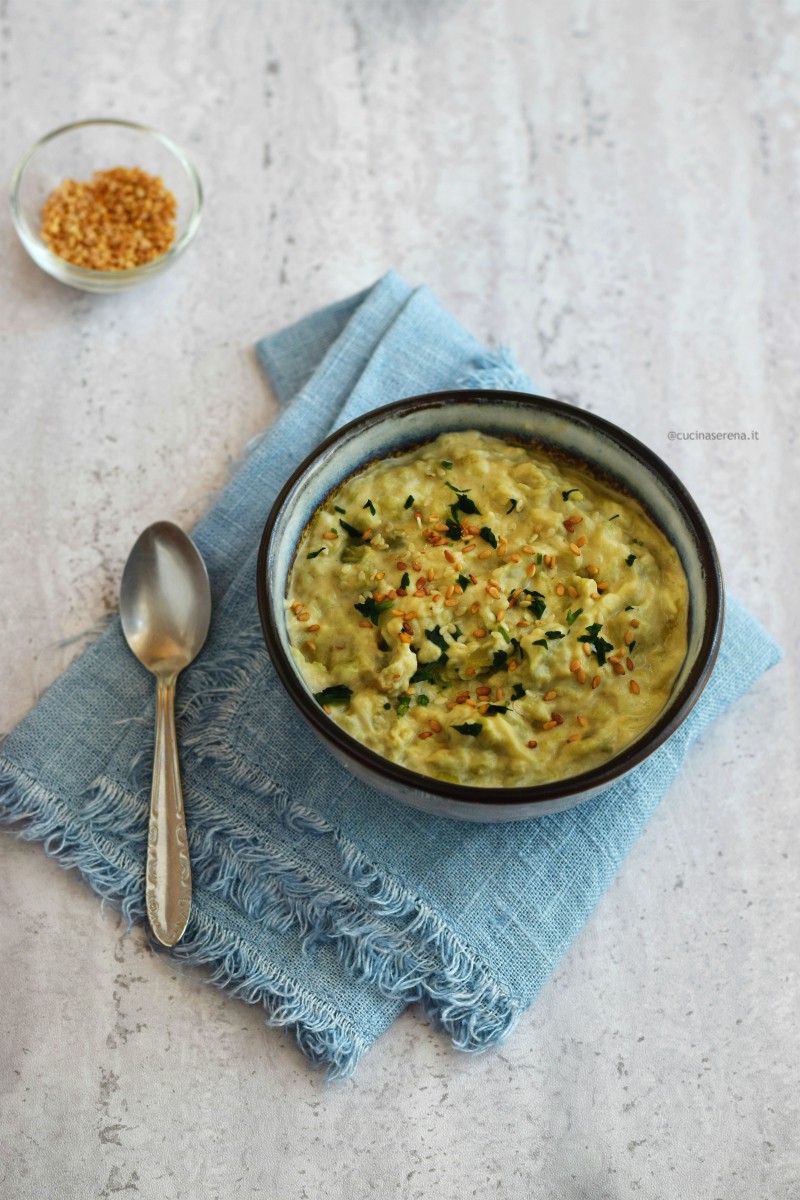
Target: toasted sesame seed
628,637
550,695
582,720
629,663
618,668
515,558
401,566
580,675
312,646
574,737
596,681
451,558
451,603
532,745
470,671
603,587
426,733
484,554
479,633
512,666
499,694
549,724
436,596
313,628
330,536
526,549
462,696
592,570
398,612
531,571
468,549
634,687
635,622
575,549
582,540
560,589
557,717
587,649
365,624
434,725
573,591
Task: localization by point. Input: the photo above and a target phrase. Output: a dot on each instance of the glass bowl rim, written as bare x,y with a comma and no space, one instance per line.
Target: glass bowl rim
62,266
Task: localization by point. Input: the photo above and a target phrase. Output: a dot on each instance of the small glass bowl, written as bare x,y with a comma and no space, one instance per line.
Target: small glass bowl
76,151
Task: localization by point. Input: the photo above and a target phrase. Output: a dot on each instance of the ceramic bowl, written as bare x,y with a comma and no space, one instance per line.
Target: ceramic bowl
605,448
76,151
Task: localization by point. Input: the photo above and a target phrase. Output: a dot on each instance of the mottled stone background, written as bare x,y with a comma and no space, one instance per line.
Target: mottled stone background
610,189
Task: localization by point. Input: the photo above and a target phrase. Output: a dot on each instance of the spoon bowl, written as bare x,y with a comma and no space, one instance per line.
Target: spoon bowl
165,609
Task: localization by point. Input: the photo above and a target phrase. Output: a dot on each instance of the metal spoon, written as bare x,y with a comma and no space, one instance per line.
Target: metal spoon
165,607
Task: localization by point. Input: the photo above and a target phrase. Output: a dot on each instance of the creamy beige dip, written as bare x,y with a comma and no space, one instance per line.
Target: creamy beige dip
487,613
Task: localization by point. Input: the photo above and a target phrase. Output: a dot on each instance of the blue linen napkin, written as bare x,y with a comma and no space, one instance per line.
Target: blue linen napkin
331,905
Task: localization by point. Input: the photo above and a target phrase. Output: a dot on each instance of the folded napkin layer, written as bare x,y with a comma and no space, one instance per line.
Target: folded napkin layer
328,903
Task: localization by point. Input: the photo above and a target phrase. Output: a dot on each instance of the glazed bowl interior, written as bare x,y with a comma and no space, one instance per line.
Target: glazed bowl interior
608,451
76,151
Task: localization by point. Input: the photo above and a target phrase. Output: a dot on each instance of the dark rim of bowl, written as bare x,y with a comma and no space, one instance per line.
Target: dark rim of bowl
596,778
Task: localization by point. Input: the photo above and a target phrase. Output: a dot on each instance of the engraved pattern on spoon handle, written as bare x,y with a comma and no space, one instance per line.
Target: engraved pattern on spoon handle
168,874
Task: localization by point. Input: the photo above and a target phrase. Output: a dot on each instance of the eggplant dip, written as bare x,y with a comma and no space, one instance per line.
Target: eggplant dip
487,613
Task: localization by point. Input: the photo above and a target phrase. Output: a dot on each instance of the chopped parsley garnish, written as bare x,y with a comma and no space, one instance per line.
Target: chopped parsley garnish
314,553
454,531
465,505
630,648
350,530
337,509
463,581
630,560
538,604
542,642
456,633
553,634
512,504
489,537
469,728
373,608
409,502
387,705
500,657
403,705
598,644
539,559
428,673
501,629
566,495
615,517
338,693
517,692
453,488
370,506
493,709
423,701
437,638
448,466
636,542
573,616
628,608
405,581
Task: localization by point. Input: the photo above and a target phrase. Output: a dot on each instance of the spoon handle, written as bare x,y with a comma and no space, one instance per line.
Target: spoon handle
168,875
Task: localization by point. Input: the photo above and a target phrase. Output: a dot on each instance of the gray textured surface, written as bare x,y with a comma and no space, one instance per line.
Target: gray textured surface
611,190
